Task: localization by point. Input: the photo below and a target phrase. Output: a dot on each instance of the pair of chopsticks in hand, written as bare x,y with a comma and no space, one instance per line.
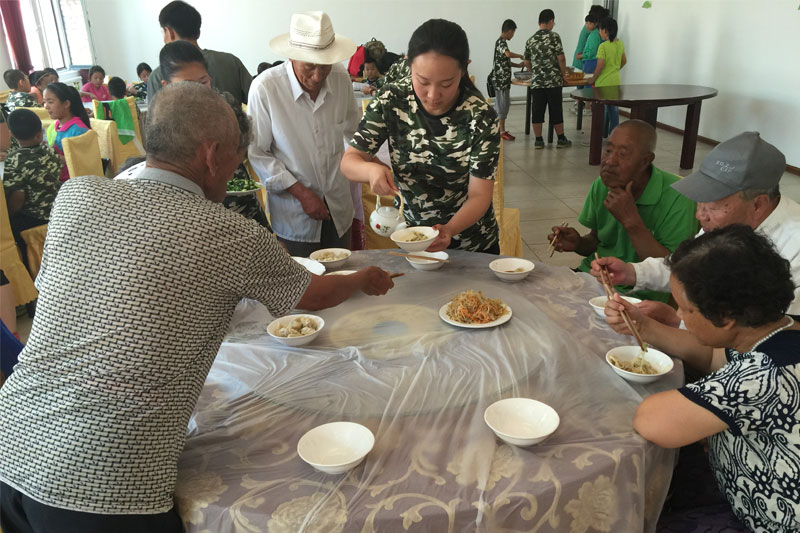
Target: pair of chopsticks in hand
605,279
552,247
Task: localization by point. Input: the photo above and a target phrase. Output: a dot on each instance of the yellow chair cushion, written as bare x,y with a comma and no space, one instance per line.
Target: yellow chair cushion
34,244
10,262
110,146
82,154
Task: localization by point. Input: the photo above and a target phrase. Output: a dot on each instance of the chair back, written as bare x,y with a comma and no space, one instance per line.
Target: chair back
4,96
110,146
34,246
10,261
98,112
82,154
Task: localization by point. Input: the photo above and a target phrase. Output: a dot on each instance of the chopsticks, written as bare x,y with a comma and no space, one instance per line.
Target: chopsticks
552,247
419,257
396,274
605,279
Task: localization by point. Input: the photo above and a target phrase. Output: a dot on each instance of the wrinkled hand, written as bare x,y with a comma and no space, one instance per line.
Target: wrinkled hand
660,312
381,180
621,273
622,205
568,238
442,241
614,315
375,281
314,206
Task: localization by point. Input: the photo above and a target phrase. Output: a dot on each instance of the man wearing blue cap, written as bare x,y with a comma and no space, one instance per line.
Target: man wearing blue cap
737,183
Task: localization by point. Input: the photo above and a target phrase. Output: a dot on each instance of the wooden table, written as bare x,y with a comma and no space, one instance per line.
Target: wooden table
529,105
644,101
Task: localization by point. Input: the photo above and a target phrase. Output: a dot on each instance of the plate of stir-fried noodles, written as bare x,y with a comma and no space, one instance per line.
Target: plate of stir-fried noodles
471,309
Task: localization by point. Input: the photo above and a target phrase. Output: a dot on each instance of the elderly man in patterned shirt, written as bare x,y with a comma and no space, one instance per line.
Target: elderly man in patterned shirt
139,281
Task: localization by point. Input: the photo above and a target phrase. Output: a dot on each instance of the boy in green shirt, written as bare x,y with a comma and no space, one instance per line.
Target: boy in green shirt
501,74
20,87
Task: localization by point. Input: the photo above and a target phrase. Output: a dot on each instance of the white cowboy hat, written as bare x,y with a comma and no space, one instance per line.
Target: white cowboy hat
311,39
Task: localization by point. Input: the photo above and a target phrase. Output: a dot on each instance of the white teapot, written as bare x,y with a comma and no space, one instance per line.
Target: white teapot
385,220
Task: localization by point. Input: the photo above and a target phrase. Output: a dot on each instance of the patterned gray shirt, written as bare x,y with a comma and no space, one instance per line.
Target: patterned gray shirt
139,281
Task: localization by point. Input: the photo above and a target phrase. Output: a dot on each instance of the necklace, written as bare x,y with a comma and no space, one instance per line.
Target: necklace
774,332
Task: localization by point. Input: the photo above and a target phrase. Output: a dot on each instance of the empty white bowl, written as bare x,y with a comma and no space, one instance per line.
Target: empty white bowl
598,303
661,362
294,341
521,421
511,268
336,447
334,263
426,264
416,246
315,267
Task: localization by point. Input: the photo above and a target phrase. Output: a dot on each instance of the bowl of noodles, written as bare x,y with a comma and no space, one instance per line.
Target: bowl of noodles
471,309
634,365
331,257
295,330
414,239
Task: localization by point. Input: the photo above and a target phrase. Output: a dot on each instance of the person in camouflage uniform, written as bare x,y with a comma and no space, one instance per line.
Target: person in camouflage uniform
31,177
501,74
399,70
444,143
544,56
20,87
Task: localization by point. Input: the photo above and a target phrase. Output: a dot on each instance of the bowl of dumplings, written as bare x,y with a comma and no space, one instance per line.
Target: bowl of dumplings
295,330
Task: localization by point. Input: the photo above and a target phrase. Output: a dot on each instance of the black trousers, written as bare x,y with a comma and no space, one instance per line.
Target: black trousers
21,514
547,98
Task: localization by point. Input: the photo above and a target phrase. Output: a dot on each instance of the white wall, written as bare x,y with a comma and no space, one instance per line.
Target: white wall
5,56
745,49
126,33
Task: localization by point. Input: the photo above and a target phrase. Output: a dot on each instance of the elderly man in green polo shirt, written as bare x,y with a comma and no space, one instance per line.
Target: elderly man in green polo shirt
631,209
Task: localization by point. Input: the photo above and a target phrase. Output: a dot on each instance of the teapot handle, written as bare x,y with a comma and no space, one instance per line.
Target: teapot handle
402,202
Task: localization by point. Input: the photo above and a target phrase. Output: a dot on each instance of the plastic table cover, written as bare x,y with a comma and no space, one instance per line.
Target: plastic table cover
421,386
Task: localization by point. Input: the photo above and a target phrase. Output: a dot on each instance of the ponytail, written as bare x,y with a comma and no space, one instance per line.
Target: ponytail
610,25
65,93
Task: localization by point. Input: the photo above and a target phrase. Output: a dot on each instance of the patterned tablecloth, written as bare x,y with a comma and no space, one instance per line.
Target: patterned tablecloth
422,386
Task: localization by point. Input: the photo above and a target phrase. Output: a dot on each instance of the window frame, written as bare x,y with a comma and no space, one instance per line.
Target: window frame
63,42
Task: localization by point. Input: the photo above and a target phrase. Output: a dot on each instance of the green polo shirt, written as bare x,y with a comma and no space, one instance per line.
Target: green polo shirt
668,214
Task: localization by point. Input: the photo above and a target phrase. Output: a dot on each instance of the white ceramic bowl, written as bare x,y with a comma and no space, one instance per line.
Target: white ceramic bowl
506,268
598,303
336,447
521,421
294,341
332,264
416,246
341,273
425,264
660,361
315,267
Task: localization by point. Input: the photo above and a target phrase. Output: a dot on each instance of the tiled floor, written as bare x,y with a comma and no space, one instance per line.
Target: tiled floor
548,186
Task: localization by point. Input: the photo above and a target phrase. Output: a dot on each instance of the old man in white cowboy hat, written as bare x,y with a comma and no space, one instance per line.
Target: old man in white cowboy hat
303,113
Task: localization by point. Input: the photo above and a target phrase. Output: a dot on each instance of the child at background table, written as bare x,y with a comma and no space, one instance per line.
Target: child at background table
589,54
610,59
116,88
41,79
139,90
94,88
20,86
63,104
501,74
372,80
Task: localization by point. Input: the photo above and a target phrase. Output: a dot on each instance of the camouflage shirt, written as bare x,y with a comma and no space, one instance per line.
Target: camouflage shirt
434,157
37,171
542,50
501,71
19,99
400,69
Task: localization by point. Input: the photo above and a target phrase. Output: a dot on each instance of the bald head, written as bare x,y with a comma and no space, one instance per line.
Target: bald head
182,117
642,132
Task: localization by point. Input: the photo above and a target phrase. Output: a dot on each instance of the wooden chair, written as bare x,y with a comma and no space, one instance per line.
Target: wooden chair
4,96
34,246
82,154
10,261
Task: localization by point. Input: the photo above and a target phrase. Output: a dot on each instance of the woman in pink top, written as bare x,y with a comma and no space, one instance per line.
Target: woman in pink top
95,90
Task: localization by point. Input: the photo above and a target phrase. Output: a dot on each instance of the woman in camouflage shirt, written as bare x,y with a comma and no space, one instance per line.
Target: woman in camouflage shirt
444,142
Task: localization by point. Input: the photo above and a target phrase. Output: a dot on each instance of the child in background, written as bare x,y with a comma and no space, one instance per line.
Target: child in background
63,104
139,90
31,177
116,88
20,87
501,74
589,55
610,59
94,89
589,25
371,81
41,79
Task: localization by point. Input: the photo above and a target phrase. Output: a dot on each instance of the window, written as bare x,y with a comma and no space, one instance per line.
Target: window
58,33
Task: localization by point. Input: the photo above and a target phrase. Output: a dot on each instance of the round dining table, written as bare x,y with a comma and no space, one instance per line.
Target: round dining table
643,101
421,386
